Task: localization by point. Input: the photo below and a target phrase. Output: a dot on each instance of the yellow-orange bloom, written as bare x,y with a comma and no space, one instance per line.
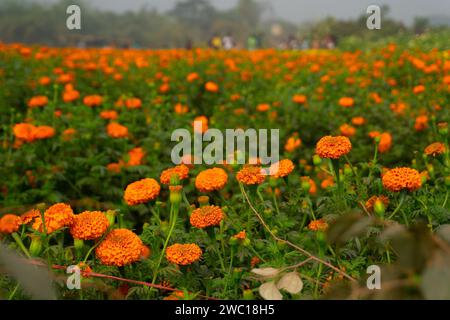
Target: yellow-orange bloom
183,254
347,130
116,130
133,103
299,98
24,131
38,101
89,225
421,123
109,114
30,215
419,89
318,225
358,121
10,223
121,247
182,171
385,140
211,180
206,216
192,76
93,101
136,155
398,179
346,102
282,168
56,217
333,147
435,149
43,132
211,86
203,124
372,200
141,191
292,143
250,174
262,107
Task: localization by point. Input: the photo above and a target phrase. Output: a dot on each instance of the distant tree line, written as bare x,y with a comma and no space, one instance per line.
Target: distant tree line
190,22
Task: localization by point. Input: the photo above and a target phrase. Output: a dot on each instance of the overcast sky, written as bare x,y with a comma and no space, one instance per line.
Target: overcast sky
302,10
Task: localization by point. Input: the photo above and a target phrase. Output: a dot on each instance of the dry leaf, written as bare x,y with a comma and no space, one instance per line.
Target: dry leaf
291,282
266,272
269,291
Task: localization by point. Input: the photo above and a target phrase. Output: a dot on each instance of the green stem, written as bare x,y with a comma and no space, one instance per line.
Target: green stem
229,271
20,244
173,219
402,199
14,292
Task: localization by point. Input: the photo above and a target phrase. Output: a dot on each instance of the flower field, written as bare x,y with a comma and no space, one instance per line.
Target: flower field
87,178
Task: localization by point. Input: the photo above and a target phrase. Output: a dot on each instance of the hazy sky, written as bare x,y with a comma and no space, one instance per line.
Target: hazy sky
302,10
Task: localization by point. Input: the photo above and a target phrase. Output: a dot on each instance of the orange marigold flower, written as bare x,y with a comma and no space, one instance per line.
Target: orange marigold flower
38,101
346,102
385,140
211,180
24,131
206,216
371,202
183,254
70,95
347,130
398,179
56,217
328,182
419,89
292,143
282,168
136,155
89,225
435,149
121,247
141,191
109,114
116,130
10,223
176,295
30,215
182,171
312,184
93,101
254,261
203,124
133,103
240,235
192,76
68,134
250,174
333,147
115,167
318,225
358,121
45,81
181,108
262,107
211,86
145,252
421,123
299,98
43,132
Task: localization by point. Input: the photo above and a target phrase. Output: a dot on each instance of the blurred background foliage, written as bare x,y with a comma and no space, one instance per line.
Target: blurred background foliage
194,22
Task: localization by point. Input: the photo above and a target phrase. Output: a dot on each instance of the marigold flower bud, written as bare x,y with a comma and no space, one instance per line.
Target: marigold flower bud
35,245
